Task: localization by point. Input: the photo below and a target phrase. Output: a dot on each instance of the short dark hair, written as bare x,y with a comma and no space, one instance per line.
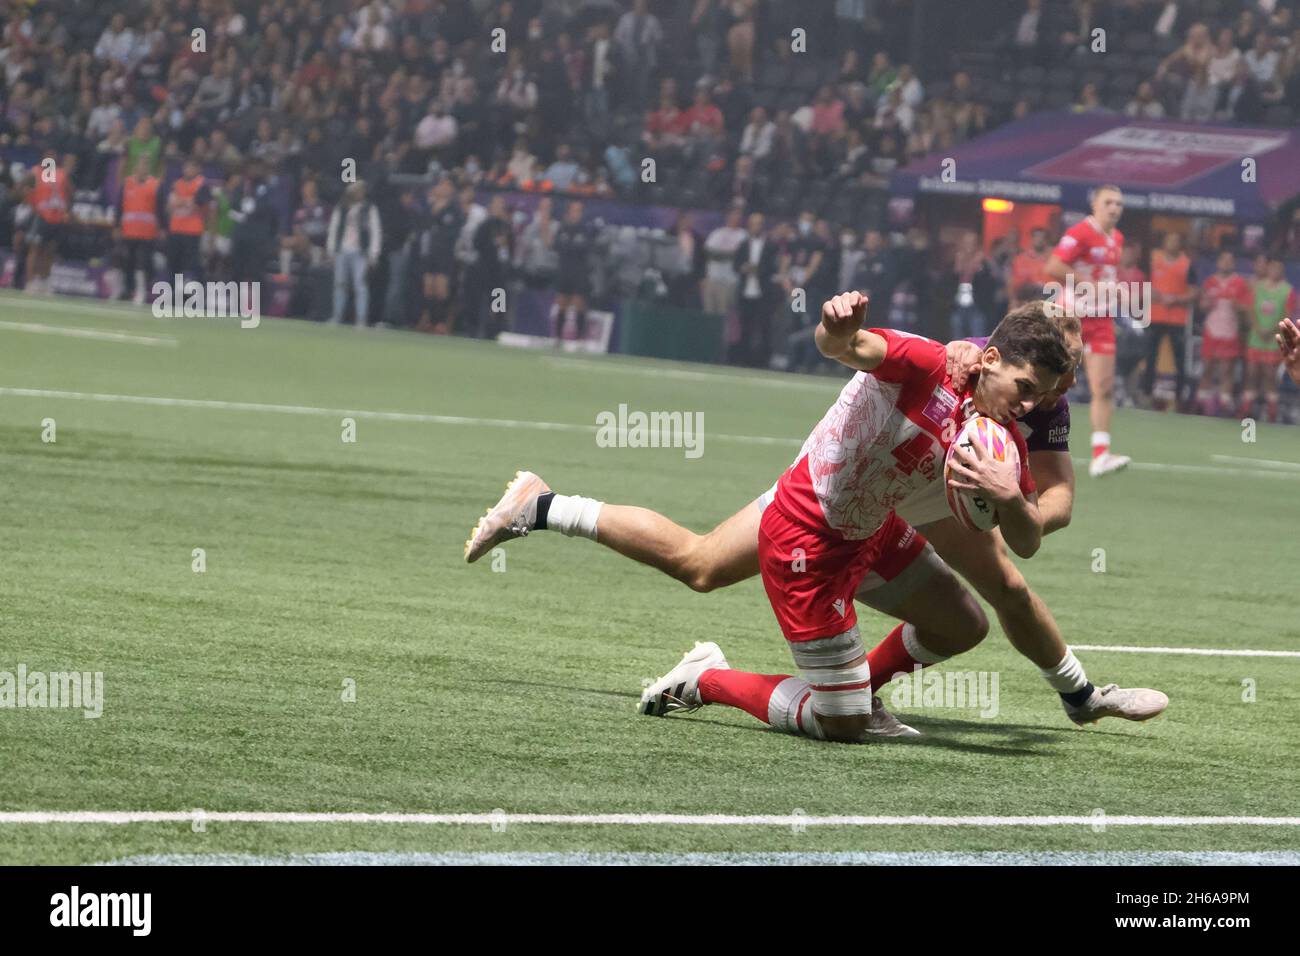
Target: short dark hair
1028,335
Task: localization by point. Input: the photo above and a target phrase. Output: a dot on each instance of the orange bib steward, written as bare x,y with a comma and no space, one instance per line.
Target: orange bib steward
50,200
140,208
1169,276
187,217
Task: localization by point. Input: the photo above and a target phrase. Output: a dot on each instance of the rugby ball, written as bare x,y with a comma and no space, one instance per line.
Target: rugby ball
970,508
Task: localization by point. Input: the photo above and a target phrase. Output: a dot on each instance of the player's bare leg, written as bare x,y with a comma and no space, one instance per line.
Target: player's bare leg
1030,627
1101,380
703,562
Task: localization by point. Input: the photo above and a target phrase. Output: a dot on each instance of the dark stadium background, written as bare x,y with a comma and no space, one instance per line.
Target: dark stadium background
284,92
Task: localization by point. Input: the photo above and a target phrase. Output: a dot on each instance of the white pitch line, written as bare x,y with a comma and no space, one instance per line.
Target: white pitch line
1202,469
418,417
1266,462
799,383
122,817
86,306
100,334
1198,651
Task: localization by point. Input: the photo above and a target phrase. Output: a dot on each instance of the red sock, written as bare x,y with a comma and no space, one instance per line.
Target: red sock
1272,410
748,692
890,657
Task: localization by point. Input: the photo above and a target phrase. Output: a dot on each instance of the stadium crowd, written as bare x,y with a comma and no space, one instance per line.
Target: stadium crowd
374,149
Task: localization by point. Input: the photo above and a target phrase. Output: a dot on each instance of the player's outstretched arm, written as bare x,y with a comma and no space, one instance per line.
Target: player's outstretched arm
840,335
1288,343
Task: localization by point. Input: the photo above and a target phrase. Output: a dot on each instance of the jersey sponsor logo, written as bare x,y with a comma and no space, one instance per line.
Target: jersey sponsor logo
940,407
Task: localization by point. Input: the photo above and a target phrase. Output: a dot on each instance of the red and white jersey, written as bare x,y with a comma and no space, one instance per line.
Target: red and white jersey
1093,255
880,448
1225,295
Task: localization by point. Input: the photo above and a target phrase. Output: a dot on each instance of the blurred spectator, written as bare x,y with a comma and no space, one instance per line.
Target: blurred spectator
755,264
756,141
1172,283
1274,300
1227,302
639,35
877,273
1144,104
1200,98
355,235
1262,60
1224,59
438,230
139,215
485,280
718,287
144,144
1028,269
187,210
973,300
435,135
535,255
574,241
684,264
741,38
117,43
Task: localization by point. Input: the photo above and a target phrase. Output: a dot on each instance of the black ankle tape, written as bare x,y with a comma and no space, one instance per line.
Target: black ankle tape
543,507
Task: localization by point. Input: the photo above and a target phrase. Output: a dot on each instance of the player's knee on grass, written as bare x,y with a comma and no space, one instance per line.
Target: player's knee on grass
844,730
839,679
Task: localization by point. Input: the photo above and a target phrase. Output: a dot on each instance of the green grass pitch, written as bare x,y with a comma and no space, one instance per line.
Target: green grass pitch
329,562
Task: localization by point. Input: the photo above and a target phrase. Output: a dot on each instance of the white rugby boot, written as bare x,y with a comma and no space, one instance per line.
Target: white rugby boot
512,517
1107,463
1136,703
679,689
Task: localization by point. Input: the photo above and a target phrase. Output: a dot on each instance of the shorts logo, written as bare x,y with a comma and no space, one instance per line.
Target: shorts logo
907,537
838,604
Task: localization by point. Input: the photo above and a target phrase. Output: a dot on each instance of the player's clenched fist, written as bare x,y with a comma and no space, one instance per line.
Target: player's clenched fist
843,314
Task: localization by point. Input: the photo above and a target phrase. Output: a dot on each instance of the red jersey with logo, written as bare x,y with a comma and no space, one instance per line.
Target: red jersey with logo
881,446
1093,255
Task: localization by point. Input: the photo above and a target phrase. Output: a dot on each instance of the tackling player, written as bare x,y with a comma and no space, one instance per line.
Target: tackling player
729,553
830,532
1091,249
